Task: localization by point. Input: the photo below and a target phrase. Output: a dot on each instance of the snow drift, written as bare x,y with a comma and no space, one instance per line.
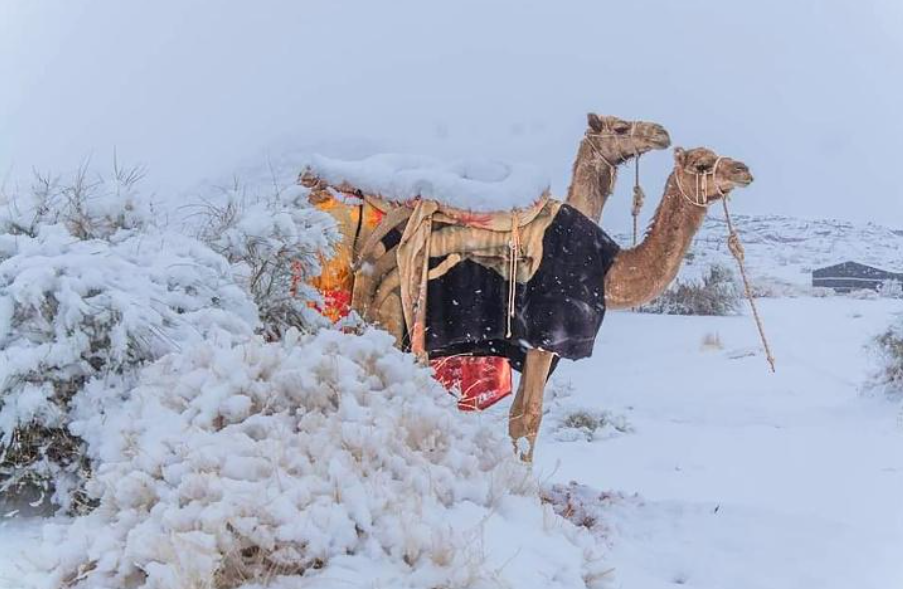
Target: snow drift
323,460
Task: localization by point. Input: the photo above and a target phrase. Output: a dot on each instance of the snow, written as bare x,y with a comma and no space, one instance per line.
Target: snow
20,537
85,314
745,479
477,185
321,454
715,472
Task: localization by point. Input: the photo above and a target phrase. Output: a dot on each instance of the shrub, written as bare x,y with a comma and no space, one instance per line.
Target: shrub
91,290
716,294
589,424
888,347
275,243
324,458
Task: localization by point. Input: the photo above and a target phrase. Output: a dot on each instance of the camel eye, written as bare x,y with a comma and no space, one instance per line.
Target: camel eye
702,167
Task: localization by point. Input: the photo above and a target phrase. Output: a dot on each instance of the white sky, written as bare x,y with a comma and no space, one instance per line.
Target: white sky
806,92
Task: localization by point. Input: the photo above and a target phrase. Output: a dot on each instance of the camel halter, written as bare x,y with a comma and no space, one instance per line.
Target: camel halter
639,197
701,199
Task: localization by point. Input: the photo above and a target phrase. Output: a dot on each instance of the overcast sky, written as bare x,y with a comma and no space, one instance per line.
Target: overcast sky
808,93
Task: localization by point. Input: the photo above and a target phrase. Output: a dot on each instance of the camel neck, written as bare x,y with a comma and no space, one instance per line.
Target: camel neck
641,273
592,181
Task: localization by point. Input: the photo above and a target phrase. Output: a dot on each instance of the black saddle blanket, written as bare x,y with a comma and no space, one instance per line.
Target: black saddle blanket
559,310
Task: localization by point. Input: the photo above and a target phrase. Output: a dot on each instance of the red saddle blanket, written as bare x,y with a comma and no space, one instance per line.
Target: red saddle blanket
478,381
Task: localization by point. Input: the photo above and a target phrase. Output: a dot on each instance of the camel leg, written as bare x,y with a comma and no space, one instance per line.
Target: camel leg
526,409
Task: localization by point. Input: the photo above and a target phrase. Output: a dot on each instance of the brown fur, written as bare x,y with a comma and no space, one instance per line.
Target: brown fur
641,273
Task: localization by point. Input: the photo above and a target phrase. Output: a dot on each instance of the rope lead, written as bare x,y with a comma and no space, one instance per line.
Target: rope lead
736,249
639,197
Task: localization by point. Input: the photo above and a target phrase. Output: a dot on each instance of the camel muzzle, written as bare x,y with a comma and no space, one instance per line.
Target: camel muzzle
740,174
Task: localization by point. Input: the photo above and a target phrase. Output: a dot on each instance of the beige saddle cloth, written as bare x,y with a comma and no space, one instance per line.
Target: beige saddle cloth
508,242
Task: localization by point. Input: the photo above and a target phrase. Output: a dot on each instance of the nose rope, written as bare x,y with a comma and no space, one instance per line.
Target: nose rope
639,197
734,245
736,248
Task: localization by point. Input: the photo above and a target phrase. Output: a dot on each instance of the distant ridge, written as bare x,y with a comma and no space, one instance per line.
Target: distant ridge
787,249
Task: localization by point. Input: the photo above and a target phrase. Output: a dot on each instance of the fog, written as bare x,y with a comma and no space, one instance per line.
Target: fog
807,93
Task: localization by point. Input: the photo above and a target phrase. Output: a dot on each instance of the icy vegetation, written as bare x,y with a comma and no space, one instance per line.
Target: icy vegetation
472,184
322,460
887,348
716,293
92,288
275,243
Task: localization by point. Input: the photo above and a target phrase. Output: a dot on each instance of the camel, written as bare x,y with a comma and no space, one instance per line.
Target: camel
623,278
639,274
608,143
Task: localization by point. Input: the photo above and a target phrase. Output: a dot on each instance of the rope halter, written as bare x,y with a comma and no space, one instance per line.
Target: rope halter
700,198
607,132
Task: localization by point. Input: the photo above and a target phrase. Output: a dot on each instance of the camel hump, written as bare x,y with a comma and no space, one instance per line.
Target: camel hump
480,186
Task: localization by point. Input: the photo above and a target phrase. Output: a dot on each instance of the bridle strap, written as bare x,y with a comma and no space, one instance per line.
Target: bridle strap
701,196
618,136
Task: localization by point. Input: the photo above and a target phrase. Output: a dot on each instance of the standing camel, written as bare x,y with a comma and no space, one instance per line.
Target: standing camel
639,274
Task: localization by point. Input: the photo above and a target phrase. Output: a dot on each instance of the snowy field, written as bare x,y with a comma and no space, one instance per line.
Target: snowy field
744,478
716,473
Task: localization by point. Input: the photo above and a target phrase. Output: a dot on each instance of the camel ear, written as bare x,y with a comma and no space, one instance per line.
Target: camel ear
679,154
595,123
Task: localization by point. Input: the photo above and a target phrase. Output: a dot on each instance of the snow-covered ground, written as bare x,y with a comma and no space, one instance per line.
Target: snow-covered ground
20,537
744,478
719,474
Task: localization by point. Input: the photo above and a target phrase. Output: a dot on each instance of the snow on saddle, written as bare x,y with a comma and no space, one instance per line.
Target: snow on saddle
474,258
470,185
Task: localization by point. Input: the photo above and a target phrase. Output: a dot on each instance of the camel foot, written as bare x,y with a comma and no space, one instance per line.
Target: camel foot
526,409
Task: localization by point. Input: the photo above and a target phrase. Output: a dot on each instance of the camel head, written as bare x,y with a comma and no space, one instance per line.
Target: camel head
703,176
618,140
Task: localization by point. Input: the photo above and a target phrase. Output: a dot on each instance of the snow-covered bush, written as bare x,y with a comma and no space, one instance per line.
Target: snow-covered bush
89,206
275,243
589,424
586,507
322,460
90,291
888,349
717,293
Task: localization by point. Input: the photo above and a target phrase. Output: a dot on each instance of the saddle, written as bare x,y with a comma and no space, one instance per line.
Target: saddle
508,242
